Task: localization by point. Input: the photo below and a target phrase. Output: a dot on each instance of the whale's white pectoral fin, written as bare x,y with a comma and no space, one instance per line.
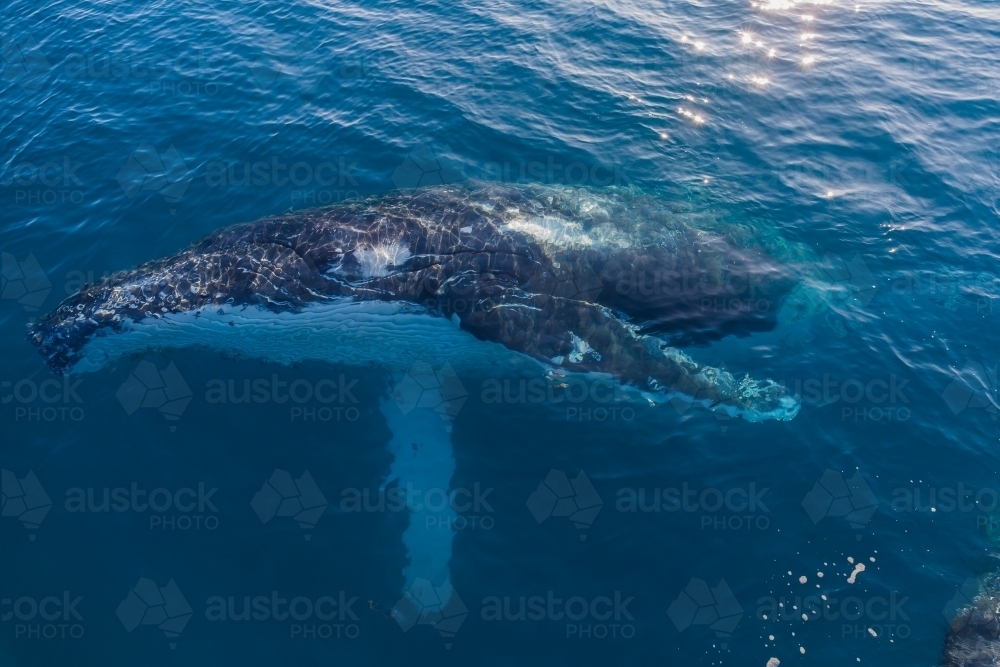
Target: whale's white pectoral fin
422,467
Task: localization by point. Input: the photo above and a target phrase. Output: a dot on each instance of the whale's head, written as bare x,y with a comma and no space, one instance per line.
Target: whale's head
184,284
242,265
101,309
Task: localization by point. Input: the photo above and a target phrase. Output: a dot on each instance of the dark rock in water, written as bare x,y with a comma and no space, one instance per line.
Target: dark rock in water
974,640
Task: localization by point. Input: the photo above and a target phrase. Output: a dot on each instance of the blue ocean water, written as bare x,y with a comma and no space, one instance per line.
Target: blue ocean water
866,131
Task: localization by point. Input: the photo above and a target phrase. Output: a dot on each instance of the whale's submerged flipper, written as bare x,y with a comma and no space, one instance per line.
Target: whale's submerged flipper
574,279
422,467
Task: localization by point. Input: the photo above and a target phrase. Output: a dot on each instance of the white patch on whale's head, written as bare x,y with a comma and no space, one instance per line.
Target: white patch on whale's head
376,260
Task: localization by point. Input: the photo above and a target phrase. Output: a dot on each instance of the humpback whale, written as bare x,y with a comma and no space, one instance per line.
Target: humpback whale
577,280
536,278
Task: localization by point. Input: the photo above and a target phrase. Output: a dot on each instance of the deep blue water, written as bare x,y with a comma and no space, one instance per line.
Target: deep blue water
870,134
